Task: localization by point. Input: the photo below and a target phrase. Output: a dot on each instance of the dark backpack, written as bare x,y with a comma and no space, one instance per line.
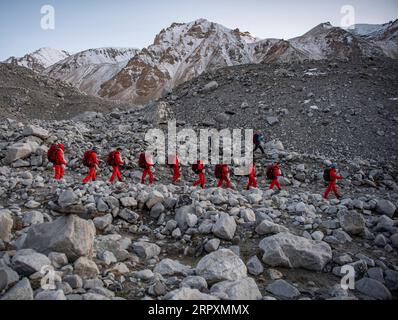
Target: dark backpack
270,173
218,171
326,175
52,153
195,168
111,161
142,163
87,158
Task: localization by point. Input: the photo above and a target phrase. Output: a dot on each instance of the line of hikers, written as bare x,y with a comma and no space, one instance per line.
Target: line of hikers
56,157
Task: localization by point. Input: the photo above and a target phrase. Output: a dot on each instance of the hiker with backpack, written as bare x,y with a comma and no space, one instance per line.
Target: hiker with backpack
55,155
174,164
252,176
145,162
198,169
273,172
90,161
330,176
115,161
257,140
222,174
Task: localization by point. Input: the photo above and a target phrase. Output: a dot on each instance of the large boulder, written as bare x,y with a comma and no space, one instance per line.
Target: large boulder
373,288
20,150
21,291
352,222
221,265
69,234
288,250
35,131
386,207
267,227
242,289
26,262
225,227
6,223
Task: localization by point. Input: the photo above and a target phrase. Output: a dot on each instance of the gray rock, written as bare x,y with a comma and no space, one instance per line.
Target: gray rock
221,265
211,86
128,215
267,227
31,130
68,234
20,150
194,282
373,289
283,289
376,274
8,277
26,262
287,250
242,289
188,294
85,268
391,279
386,207
186,217
32,217
168,267
58,259
6,224
51,295
74,280
225,227
102,222
352,222
21,291
67,198
146,250
212,245
254,266
394,240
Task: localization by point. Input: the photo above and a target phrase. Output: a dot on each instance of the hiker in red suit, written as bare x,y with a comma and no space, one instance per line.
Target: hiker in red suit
252,176
115,161
175,165
198,168
56,157
222,173
273,173
90,161
146,163
333,177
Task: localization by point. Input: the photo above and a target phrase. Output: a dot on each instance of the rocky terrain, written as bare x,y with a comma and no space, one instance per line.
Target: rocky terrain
337,109
25,94
130,241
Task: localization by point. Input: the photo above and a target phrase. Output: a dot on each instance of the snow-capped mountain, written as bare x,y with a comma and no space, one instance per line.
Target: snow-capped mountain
328,42
40,59
384,36
178,54
87,70
186,50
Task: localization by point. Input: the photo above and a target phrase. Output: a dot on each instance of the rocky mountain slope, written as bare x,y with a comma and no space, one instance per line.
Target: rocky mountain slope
330,108
40,59
87,70
27,94
130,241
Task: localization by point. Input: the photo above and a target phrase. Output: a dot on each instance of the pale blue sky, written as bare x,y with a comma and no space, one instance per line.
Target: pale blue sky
87,24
